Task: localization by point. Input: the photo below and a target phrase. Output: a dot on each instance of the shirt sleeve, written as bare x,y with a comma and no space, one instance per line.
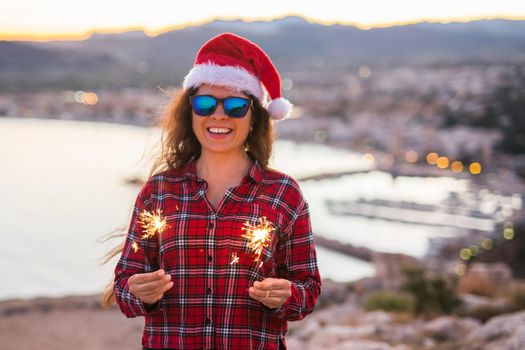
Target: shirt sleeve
138,256
297,262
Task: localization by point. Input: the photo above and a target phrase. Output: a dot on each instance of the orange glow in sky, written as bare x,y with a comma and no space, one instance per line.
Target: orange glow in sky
53,19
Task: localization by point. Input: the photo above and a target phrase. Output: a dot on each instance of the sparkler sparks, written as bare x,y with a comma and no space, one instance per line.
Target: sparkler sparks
135,246
258,236
235,259
152,223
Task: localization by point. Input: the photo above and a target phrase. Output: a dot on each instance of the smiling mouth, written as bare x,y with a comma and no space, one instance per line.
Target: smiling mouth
219,131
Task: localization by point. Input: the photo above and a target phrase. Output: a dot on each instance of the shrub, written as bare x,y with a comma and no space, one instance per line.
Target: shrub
432,295
390,301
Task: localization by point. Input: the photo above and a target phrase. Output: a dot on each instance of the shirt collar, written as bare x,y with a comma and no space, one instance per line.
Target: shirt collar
189,171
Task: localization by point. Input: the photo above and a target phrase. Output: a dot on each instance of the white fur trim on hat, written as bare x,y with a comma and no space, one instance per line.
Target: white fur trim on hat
279,108
237,78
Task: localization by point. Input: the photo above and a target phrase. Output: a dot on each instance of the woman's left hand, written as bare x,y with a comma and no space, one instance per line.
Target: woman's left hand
272,292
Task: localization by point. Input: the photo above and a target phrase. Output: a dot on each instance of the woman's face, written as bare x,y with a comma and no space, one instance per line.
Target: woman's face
219,133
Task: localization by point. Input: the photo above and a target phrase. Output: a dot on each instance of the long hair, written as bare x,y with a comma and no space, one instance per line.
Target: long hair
179,145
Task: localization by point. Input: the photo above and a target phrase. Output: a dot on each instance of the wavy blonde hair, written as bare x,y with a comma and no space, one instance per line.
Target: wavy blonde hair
179,145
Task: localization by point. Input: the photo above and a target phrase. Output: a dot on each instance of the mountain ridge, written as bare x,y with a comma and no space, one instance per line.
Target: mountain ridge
294,43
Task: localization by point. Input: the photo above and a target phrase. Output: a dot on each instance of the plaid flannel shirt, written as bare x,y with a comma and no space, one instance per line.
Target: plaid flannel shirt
209,307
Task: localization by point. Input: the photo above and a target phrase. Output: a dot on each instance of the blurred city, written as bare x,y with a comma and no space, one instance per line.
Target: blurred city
411,144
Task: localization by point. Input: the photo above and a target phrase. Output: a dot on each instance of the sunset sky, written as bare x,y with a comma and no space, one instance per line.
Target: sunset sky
32,19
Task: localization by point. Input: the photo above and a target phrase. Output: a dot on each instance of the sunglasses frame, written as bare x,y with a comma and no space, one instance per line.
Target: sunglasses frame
221,101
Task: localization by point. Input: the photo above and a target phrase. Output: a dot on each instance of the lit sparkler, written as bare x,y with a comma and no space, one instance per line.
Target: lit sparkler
135,246
258,236
152,223
235,259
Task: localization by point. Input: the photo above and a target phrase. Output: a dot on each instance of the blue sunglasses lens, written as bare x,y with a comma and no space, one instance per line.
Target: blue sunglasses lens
203,105
234,107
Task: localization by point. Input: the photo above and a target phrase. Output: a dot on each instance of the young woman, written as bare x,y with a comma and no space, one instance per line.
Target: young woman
202,280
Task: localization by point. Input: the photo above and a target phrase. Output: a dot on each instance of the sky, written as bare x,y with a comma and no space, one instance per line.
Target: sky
55,19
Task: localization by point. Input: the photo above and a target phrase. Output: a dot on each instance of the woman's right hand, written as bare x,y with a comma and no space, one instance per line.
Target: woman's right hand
150,287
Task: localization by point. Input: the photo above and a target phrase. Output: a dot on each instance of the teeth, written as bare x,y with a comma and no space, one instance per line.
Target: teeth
219,130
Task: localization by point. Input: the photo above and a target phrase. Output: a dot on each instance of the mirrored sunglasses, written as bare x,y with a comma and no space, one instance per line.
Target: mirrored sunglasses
233,106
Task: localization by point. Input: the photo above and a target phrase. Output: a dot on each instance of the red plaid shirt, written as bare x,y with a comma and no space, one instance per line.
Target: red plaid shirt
209,307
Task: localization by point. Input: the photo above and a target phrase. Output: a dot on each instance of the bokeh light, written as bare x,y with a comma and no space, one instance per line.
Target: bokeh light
475,168
432,158
369,158
487,243
508,233
442,162
411,156
365,72
465,254
456,166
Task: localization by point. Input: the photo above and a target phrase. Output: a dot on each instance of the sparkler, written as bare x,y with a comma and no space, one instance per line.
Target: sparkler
135,246
258,236
235,258
152,223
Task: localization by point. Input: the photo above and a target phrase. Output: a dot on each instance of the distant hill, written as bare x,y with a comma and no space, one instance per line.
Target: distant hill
134,59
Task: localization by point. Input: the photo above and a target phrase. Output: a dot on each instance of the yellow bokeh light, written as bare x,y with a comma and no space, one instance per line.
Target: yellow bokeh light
465,254
456,166
474,250
432,158
508,233
411,156
442,162
487,244
475,168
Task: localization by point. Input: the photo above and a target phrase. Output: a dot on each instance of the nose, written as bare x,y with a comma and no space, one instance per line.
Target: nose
219,112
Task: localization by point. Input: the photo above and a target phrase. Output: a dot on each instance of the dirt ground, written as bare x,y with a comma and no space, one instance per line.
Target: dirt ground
66,323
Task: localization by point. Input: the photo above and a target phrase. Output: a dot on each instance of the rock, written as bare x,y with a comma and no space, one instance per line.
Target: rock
504,326
472,302
498,273
366,345
485,279
333,293
517,341
449,328
308,327
376,318
332,335
389,268
398,333
338,314
293,343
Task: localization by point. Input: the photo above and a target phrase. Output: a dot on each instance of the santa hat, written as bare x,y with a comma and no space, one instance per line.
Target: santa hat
235,62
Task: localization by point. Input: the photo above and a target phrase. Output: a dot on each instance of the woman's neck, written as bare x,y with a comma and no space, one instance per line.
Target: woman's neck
222,168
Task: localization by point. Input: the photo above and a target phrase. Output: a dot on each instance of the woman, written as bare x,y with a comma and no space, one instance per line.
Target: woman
197,280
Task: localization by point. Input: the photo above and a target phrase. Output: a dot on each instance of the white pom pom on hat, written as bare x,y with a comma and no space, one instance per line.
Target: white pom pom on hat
235,62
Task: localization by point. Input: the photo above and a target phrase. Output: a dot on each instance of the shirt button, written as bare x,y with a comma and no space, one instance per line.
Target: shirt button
211,225
208,290
208,321
210,258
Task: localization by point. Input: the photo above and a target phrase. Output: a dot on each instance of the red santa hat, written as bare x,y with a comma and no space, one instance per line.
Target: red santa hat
235,62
